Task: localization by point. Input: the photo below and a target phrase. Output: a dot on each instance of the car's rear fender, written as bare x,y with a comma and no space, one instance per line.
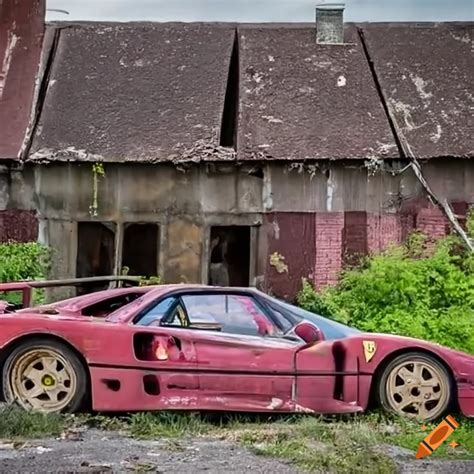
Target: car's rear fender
7,349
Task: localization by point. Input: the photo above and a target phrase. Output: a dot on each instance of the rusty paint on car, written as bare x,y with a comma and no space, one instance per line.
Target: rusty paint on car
211,370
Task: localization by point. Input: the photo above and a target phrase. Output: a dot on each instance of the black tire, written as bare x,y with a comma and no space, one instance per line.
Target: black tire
395,389
65,358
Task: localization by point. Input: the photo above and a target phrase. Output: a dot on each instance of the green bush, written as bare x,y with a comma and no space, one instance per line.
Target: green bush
23,261
412,290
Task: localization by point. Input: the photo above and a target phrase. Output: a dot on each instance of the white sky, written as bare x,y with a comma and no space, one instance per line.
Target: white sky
258,10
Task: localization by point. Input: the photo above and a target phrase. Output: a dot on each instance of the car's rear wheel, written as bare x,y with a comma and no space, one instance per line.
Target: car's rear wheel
44,375
415,385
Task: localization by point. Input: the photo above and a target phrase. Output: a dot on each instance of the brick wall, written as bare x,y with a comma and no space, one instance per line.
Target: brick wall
383,230
20,226
318,245
355,236
329,244
432,222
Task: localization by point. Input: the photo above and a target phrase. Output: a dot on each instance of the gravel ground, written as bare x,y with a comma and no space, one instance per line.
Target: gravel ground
408,465
99,451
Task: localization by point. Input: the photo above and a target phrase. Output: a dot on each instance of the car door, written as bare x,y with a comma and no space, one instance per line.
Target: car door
163,369
244,365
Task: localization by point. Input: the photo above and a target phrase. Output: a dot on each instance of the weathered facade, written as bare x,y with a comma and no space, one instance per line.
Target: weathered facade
287,149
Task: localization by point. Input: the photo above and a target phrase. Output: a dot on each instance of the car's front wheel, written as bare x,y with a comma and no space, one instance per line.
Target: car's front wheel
415,385
44,375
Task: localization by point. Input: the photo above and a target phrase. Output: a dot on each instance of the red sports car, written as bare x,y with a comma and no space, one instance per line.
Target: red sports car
205,348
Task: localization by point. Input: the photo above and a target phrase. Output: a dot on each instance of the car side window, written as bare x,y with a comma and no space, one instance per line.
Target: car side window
236,314
153,316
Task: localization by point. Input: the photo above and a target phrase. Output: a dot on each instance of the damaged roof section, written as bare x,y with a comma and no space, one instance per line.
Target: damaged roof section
177,92
426,75
136,92
302,101
21,36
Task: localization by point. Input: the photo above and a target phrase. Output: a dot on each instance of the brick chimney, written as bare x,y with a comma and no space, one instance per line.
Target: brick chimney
330,23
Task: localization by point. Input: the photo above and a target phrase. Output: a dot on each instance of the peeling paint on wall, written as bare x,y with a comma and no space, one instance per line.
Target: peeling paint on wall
267,195
277,261
4,190
330,191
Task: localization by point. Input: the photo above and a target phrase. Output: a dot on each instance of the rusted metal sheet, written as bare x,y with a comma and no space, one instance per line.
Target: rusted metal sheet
291,251
354,238
138,92
301,100
19,226
21,34
425,71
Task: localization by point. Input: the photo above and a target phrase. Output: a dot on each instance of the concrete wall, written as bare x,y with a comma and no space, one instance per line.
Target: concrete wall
307,220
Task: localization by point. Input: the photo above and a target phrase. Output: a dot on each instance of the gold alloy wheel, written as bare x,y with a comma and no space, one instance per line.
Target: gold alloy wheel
417,389
43,379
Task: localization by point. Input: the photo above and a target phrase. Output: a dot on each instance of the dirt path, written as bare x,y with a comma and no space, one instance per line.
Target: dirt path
100,451
408,465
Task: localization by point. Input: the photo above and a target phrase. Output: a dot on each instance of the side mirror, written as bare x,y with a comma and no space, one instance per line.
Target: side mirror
308,332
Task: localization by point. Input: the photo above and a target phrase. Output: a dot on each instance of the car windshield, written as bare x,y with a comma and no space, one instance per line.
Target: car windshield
331,329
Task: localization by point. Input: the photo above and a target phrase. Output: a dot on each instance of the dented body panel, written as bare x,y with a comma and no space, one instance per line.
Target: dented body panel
155,367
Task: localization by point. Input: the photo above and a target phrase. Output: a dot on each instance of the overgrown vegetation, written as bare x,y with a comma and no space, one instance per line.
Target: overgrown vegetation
98,172
316,445
408,436
18,423
23,261
354,445
168,425
332,444
417,290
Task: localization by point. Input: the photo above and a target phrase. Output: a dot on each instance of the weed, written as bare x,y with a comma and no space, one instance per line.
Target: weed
315,445
18,423
329,444
411,434
167,425
104,422
343,444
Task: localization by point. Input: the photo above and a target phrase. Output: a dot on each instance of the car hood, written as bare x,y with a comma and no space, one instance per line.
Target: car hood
460,362
411,340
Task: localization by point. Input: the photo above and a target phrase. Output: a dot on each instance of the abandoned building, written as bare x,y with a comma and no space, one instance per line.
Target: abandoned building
148,146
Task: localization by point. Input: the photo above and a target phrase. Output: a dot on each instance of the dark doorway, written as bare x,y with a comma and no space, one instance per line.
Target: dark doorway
95,253
229,256
140,249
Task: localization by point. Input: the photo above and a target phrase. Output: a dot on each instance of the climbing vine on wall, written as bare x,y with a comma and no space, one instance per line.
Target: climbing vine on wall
98,172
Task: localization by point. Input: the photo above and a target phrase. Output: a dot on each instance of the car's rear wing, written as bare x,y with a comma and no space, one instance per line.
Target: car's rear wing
27,287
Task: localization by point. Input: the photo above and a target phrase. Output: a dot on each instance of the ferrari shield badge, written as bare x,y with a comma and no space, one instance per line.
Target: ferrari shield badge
369,350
